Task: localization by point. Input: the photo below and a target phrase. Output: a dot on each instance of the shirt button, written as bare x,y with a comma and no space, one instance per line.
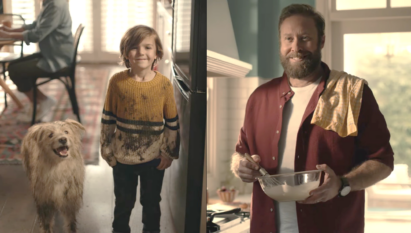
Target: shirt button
271,209
289,92
281,106
273,158
298,156
278,131
283,93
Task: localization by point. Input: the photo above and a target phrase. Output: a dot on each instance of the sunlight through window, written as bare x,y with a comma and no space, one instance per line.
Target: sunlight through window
118,16
81,13
26,9
364,4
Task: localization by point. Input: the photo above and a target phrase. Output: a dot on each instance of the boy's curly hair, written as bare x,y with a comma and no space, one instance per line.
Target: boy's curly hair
133,37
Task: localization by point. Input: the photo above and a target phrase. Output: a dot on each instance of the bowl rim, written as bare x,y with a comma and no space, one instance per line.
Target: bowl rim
291,173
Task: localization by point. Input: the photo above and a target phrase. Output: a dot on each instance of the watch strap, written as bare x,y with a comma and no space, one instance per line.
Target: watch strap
344,183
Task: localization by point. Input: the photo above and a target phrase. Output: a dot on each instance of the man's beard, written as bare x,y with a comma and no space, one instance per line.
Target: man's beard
302,69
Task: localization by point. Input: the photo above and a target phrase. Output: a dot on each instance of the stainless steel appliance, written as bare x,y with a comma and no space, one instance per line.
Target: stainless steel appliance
189,81
228,221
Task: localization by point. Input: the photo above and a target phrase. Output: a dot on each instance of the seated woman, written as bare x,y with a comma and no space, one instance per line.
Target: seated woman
52,30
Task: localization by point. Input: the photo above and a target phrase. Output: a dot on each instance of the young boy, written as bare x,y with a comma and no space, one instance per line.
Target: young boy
139,135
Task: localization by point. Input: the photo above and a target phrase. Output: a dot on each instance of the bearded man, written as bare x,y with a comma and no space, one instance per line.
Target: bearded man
312,118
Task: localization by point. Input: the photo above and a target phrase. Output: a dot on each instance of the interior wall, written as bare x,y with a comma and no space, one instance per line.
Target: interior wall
255,24
220,34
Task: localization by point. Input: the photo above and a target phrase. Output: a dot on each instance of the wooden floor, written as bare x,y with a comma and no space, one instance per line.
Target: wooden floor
18,213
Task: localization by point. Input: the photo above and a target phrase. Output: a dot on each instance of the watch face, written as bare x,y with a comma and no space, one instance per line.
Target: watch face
345,191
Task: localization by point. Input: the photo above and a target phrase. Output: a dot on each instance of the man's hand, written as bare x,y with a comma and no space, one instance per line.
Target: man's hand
248,171
165,162
328,190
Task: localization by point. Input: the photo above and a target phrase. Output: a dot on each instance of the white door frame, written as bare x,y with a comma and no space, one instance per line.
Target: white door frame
351,27
338,23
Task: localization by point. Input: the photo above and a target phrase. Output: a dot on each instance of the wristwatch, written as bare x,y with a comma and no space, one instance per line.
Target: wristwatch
345,187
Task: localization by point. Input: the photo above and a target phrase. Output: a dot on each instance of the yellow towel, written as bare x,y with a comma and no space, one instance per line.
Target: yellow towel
339,106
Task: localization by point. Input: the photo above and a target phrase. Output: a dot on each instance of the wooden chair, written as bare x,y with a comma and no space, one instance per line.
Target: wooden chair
66,76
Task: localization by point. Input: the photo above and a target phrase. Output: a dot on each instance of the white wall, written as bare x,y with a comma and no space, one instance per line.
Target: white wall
231,95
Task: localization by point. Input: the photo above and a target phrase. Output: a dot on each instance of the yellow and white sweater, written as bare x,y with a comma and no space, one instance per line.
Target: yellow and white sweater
139,120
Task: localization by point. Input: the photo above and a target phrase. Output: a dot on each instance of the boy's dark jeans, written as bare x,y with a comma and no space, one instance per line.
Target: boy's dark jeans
125,190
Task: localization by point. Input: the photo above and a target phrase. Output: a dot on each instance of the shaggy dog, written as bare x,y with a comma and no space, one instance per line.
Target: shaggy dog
54,165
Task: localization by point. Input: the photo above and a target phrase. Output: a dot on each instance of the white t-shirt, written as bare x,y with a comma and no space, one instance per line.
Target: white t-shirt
292,116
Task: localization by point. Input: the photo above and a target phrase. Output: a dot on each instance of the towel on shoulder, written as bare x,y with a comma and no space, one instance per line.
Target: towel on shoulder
340,103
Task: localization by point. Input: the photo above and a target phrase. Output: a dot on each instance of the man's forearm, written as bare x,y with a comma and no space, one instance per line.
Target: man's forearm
7,29
16,35
367,174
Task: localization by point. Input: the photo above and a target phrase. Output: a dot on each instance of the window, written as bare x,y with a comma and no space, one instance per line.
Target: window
400,3
81,13
363,4
370,4
117,16
383,60
25,8
374,43
105,23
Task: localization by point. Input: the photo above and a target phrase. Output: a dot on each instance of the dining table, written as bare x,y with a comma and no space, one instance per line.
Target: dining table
3,84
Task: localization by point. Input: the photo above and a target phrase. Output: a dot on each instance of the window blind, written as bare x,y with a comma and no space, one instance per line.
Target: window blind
118,16
25,8
183,25
81,12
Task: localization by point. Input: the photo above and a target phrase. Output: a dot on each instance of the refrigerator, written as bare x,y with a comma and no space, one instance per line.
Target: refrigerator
186,175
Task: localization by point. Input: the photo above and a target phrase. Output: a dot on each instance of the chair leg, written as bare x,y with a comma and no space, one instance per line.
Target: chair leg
33,119
73,98
74,103
76,107
4,77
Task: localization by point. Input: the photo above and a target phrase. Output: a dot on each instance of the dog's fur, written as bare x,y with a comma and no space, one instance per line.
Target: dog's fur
56,178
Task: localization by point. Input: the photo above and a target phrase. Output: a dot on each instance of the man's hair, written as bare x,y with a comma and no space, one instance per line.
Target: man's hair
304,10
133,37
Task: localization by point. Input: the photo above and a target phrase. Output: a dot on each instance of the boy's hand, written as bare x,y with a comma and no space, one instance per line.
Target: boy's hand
165,163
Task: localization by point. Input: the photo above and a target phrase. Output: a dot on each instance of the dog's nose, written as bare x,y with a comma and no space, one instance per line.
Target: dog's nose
63,140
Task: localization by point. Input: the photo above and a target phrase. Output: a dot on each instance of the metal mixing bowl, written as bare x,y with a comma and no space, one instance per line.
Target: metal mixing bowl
294,186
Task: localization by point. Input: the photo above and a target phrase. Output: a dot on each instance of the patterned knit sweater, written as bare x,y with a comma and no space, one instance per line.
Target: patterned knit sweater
139,120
